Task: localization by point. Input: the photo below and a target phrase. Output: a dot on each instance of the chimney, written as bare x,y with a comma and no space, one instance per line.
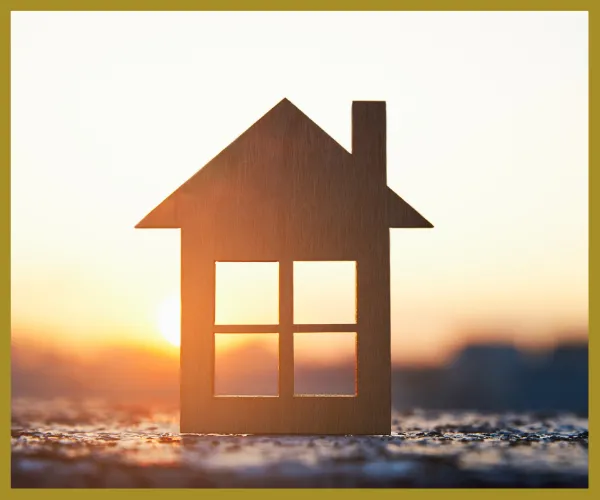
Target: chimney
369,138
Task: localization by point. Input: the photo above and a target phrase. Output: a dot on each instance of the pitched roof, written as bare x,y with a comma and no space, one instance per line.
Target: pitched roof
401,214
165,215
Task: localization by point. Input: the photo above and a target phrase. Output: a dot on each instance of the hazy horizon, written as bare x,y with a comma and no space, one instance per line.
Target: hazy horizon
491,377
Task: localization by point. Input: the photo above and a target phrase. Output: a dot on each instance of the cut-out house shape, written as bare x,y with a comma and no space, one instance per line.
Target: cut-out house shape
285,191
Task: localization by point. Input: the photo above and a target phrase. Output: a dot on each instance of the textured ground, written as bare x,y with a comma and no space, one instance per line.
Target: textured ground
67,444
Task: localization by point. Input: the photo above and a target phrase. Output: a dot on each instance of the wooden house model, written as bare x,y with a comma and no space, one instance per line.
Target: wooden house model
285,191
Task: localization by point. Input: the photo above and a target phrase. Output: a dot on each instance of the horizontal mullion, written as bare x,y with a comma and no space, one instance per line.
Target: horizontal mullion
246,261
350,327
246,328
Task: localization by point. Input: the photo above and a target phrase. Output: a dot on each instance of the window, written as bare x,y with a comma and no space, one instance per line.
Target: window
325,364
324,292
247,293
246,364
305,315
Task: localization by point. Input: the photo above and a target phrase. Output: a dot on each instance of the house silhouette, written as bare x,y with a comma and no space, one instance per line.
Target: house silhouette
285,191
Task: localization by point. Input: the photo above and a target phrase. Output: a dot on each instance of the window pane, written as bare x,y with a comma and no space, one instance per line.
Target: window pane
325,364
325,292
247,293
246,364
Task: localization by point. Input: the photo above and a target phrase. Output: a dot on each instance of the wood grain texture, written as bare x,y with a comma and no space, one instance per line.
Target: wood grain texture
285,191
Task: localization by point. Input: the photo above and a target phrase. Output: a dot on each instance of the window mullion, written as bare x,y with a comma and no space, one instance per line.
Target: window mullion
329,328
286,333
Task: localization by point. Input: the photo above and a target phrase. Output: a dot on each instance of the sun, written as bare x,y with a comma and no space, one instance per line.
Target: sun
169,320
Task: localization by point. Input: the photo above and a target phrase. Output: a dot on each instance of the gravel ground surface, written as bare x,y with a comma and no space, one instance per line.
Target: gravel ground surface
68,444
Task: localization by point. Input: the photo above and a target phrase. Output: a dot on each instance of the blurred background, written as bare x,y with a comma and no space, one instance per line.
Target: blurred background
484,377
487,138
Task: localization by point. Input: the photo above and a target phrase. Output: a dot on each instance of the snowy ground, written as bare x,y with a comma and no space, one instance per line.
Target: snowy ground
69,444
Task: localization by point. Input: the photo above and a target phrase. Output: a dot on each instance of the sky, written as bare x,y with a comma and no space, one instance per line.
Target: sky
487,137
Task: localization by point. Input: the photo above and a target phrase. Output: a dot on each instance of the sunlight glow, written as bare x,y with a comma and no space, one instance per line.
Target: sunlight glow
169,320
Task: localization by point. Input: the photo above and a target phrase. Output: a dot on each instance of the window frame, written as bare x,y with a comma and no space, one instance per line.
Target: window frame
286,328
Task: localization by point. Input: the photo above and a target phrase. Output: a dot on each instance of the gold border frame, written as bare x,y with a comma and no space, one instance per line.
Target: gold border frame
190,5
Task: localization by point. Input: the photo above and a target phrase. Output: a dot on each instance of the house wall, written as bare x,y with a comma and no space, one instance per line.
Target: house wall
369,412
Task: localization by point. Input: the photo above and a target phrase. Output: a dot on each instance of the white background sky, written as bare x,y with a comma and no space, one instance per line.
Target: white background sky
487,138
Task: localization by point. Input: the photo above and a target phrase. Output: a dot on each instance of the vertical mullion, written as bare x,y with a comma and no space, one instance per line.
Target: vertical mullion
286,324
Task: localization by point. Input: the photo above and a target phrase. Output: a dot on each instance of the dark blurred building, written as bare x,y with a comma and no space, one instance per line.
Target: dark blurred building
499,378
